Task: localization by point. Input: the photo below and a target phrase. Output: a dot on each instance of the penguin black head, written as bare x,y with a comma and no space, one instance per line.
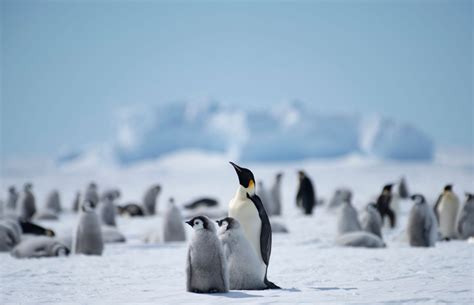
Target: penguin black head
448,188
201,223
388,188
28,186
246,178
301,174
469,196
88,206
228,223
92,185
12,190
279,176
418,198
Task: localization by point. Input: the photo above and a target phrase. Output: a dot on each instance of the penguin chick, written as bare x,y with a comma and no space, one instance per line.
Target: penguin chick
88,238
27,203
360,239
107,210
149,199
347,220
206,267
275,194
371,221
245,270
40,246
92,194
340,195
465,223
173,228
53,202
422,227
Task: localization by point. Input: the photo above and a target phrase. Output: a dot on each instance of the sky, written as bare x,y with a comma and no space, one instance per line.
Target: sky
68,67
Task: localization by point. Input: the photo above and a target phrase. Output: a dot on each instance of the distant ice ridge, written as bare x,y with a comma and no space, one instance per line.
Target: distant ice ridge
291,131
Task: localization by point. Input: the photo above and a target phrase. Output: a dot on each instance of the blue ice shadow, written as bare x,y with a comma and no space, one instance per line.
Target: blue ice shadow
333,288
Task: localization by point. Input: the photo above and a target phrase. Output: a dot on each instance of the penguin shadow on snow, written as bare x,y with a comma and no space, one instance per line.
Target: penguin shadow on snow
238,294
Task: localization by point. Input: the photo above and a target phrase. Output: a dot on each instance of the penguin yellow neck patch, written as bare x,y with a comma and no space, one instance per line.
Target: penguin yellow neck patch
251,184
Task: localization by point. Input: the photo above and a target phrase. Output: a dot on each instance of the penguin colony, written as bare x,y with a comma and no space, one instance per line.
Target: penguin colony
233,251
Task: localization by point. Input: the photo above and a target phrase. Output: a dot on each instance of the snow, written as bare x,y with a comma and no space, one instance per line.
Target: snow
305,262
286,132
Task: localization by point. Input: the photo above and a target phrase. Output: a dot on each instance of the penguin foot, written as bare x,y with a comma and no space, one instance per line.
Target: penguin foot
446,239
271,285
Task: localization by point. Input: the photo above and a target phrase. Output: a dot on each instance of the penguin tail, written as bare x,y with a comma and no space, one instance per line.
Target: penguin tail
271,285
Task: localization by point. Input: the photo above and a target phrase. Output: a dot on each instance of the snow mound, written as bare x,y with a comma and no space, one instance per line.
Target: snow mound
290,131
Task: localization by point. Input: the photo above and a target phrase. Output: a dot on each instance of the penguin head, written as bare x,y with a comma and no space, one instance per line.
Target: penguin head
448,188
227,224
92,185
387,189
246,178
279,176
201,223
418,198
301,175
469,196
12,190
171,202
88,206
28,186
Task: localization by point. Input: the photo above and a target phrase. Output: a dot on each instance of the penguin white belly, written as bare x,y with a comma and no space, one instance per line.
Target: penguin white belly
247,214
447,211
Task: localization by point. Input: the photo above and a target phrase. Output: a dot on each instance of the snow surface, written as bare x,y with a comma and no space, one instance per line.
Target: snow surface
290,131
305,262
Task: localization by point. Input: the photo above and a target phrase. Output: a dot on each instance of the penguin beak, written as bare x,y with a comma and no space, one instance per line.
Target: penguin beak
189,222
237,168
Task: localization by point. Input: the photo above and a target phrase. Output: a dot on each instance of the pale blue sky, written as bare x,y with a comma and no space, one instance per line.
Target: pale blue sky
68,66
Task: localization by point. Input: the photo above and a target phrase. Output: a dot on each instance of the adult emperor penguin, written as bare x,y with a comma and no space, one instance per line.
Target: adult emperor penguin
12,199
245,269
206,267
465,223
53,202
306,196
248,209
27,204
447,208
371,220
422,226
173,228
40,246
88,236
347,220
384,204
275,194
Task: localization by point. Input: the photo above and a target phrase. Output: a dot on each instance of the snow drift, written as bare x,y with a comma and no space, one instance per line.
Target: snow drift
285,132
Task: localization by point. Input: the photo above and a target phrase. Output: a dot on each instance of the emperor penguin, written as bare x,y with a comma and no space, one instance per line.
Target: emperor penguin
422,226
27,203
12,199
306,196
76,202
265,198
371,220
384,205
340,195
88,236
275,194
447,208
403,189
131,209
92,195
465,223
360,239
173,228
40,246
9,236
150,198
347,220
245,270
53,202
248,209
107,210
206,267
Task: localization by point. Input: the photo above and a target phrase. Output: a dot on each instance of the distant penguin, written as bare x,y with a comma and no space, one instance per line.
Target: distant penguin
371,220
275,194
88,236
201,202
173,228
113,194
150,198
403,189
248,209
53,202
340,195
447,208
384,205
76,202
465,223
360,239
28,227
9,236
347,220
131,209
107,210
206,267
245,269
92,194
422,227
27,204
40,246
265,197
306,196
12,199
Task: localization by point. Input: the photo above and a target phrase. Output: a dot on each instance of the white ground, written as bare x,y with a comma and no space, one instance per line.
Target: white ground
305,262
